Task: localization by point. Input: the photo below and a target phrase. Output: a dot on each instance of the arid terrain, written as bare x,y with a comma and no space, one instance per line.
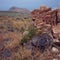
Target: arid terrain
35,36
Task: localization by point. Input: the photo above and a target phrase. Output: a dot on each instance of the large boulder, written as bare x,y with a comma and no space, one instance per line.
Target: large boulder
43,41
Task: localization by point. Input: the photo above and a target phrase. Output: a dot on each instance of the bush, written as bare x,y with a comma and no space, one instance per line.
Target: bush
22,29
24,40
32,32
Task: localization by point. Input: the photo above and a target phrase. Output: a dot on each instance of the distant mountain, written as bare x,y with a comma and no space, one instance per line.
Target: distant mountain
21,10
15,11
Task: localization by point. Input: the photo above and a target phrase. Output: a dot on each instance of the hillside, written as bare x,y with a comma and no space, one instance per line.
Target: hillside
22,11
14,12
11,33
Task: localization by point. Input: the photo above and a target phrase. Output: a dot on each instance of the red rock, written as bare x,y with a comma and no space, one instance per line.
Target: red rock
47,15
58,15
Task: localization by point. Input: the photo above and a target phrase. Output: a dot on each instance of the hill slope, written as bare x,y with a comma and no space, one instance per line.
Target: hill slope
21,10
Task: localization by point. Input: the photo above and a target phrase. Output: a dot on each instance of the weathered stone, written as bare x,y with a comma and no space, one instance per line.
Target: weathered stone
43,42
25,33
56,32
6,53
58,15
55,59
55,49
47,15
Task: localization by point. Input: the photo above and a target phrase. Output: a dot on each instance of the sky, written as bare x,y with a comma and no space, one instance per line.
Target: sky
28,4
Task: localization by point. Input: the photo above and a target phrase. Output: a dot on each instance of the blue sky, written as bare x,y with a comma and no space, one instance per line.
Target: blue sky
29,4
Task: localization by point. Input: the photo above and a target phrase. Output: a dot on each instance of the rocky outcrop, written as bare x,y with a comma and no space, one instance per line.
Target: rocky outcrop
58,15
46,15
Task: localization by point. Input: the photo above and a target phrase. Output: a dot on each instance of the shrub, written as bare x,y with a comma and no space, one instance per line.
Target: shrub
24,39
22,29
32,32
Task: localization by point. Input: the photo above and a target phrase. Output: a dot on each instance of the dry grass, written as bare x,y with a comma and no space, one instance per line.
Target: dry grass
15,37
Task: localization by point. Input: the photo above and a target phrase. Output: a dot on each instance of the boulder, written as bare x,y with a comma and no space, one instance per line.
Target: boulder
6,53
54,49
43,41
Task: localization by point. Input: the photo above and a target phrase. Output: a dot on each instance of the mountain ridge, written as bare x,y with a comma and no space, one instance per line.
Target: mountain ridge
17,9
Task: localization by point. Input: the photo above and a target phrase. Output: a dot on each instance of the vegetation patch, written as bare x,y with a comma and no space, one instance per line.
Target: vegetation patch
32,32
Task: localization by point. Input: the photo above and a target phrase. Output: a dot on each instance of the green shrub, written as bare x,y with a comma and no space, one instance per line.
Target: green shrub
32,32
22,29
24,39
